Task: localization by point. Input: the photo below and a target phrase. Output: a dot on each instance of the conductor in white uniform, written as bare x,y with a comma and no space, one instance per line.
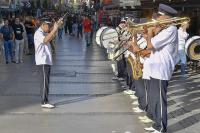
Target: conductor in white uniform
43,56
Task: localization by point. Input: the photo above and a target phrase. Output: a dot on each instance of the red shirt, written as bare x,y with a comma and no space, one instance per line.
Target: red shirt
87,25
100,16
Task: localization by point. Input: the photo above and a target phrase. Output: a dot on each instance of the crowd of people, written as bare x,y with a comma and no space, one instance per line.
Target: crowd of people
17,33
76,24
16,37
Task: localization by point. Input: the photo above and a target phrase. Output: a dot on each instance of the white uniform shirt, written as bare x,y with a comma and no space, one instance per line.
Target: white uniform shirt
163,59
182,37
43,55
146,70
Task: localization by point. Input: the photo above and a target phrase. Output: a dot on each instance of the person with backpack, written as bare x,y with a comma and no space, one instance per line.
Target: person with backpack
7,34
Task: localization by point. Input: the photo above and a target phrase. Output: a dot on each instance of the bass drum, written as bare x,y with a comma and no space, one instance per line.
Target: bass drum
98,34
109,38
192,48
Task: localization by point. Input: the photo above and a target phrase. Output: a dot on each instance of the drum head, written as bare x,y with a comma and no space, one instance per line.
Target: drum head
109,38
192,48
98,34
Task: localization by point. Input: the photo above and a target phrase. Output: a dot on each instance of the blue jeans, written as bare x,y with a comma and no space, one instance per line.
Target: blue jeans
88,38
182,58
30,39
8,49
60,32
19,49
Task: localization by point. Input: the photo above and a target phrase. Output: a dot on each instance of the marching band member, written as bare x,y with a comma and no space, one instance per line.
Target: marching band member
162,61
141,84
121,62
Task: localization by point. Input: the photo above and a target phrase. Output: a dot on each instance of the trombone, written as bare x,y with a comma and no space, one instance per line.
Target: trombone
166,22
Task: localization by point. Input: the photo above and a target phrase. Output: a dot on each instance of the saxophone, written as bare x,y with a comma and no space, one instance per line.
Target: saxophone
136,66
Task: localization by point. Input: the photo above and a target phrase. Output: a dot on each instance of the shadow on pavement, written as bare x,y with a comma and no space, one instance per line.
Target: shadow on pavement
184,95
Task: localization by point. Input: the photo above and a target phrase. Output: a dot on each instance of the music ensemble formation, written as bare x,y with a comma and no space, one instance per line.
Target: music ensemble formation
145,53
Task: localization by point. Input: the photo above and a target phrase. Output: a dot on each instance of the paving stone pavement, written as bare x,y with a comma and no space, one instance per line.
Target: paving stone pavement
87,99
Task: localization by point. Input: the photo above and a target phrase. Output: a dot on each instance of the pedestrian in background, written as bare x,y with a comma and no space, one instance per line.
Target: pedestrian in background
19,41
75,28
69,24
30,29
80,27
1,39
93,23
87,28
66,25
8,37
60,32
26,49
